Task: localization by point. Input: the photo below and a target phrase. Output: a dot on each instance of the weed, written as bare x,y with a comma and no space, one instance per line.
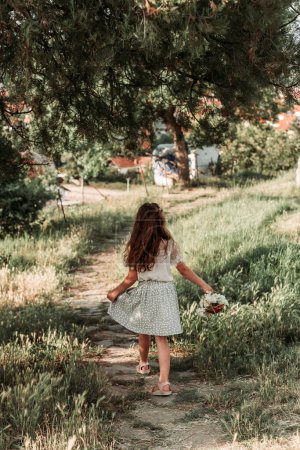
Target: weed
198,413
143,424
189,396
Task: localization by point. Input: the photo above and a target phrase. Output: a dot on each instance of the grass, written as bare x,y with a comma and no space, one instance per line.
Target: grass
49,399
189,396
143,424
198,413
53,398
292,443
50,395
266,405
237,247
37,265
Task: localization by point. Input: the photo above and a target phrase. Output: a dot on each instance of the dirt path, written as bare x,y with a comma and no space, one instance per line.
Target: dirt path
181,421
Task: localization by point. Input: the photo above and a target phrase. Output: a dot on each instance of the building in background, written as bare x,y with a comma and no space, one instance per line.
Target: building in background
202,160
285,120
164,164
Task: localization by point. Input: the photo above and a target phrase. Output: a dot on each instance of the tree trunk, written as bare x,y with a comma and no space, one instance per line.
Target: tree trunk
181,148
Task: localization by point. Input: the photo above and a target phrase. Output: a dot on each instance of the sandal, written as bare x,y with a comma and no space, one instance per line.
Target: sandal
160,390
139,368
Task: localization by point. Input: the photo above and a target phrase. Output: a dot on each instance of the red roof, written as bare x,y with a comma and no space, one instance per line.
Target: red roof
143,161
285,119
131,162
123,162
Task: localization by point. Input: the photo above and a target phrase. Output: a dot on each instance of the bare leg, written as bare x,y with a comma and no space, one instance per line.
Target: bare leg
144,345
163,359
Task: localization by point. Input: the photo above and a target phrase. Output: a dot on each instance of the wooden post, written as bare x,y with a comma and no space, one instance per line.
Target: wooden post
61,205
82,190
143,178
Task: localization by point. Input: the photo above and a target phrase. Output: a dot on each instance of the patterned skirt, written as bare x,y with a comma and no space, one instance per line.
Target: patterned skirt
149,308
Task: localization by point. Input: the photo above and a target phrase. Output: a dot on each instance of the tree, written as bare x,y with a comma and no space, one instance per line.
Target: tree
258,150
108,67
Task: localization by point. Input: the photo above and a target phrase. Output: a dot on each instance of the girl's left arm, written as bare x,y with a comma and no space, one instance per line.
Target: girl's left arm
187,273
126,283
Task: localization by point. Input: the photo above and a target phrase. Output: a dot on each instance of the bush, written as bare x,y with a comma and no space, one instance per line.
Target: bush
11,164
20,204
253,150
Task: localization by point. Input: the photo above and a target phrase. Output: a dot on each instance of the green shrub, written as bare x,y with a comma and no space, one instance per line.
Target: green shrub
20,204
12,167
257,151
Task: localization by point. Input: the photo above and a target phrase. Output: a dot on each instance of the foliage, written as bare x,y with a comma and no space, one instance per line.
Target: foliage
184,55
89,164
258,150
21,197
12,166
20,205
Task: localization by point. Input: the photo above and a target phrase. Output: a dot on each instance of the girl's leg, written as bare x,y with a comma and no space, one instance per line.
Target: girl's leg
144,345
163,359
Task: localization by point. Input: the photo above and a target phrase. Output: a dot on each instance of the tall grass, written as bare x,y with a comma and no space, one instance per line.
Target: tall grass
50,396
257,270
36,265
234,246
47,391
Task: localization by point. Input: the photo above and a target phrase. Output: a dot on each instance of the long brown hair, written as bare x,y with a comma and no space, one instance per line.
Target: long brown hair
148,230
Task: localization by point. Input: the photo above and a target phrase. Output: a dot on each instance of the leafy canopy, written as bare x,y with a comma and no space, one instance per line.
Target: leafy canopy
106,66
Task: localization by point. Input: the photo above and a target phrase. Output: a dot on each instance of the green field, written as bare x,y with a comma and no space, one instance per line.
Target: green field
240,245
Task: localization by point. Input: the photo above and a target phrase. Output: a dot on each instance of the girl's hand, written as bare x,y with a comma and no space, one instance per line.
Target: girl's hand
112,295
209,291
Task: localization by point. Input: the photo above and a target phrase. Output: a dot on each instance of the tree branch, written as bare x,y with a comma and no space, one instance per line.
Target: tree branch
288,23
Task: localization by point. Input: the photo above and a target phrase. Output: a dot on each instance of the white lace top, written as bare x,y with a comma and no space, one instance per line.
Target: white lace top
161,271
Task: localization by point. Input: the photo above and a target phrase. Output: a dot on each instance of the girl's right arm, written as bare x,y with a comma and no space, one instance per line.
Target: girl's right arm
187,273
126,283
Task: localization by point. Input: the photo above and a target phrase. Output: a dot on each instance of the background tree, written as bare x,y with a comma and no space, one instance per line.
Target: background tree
107,67
258,150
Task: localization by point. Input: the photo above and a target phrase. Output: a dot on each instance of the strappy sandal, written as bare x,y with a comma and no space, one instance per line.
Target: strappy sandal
160,390
139,368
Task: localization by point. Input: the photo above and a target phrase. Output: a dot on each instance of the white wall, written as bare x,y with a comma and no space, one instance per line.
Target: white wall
201,157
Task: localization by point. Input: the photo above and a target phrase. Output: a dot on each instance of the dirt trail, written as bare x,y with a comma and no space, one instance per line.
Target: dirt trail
181,421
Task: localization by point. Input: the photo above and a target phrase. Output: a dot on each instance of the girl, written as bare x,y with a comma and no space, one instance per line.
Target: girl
151,308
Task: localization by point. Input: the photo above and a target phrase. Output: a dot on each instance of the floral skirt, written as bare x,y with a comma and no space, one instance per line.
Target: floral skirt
149,308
